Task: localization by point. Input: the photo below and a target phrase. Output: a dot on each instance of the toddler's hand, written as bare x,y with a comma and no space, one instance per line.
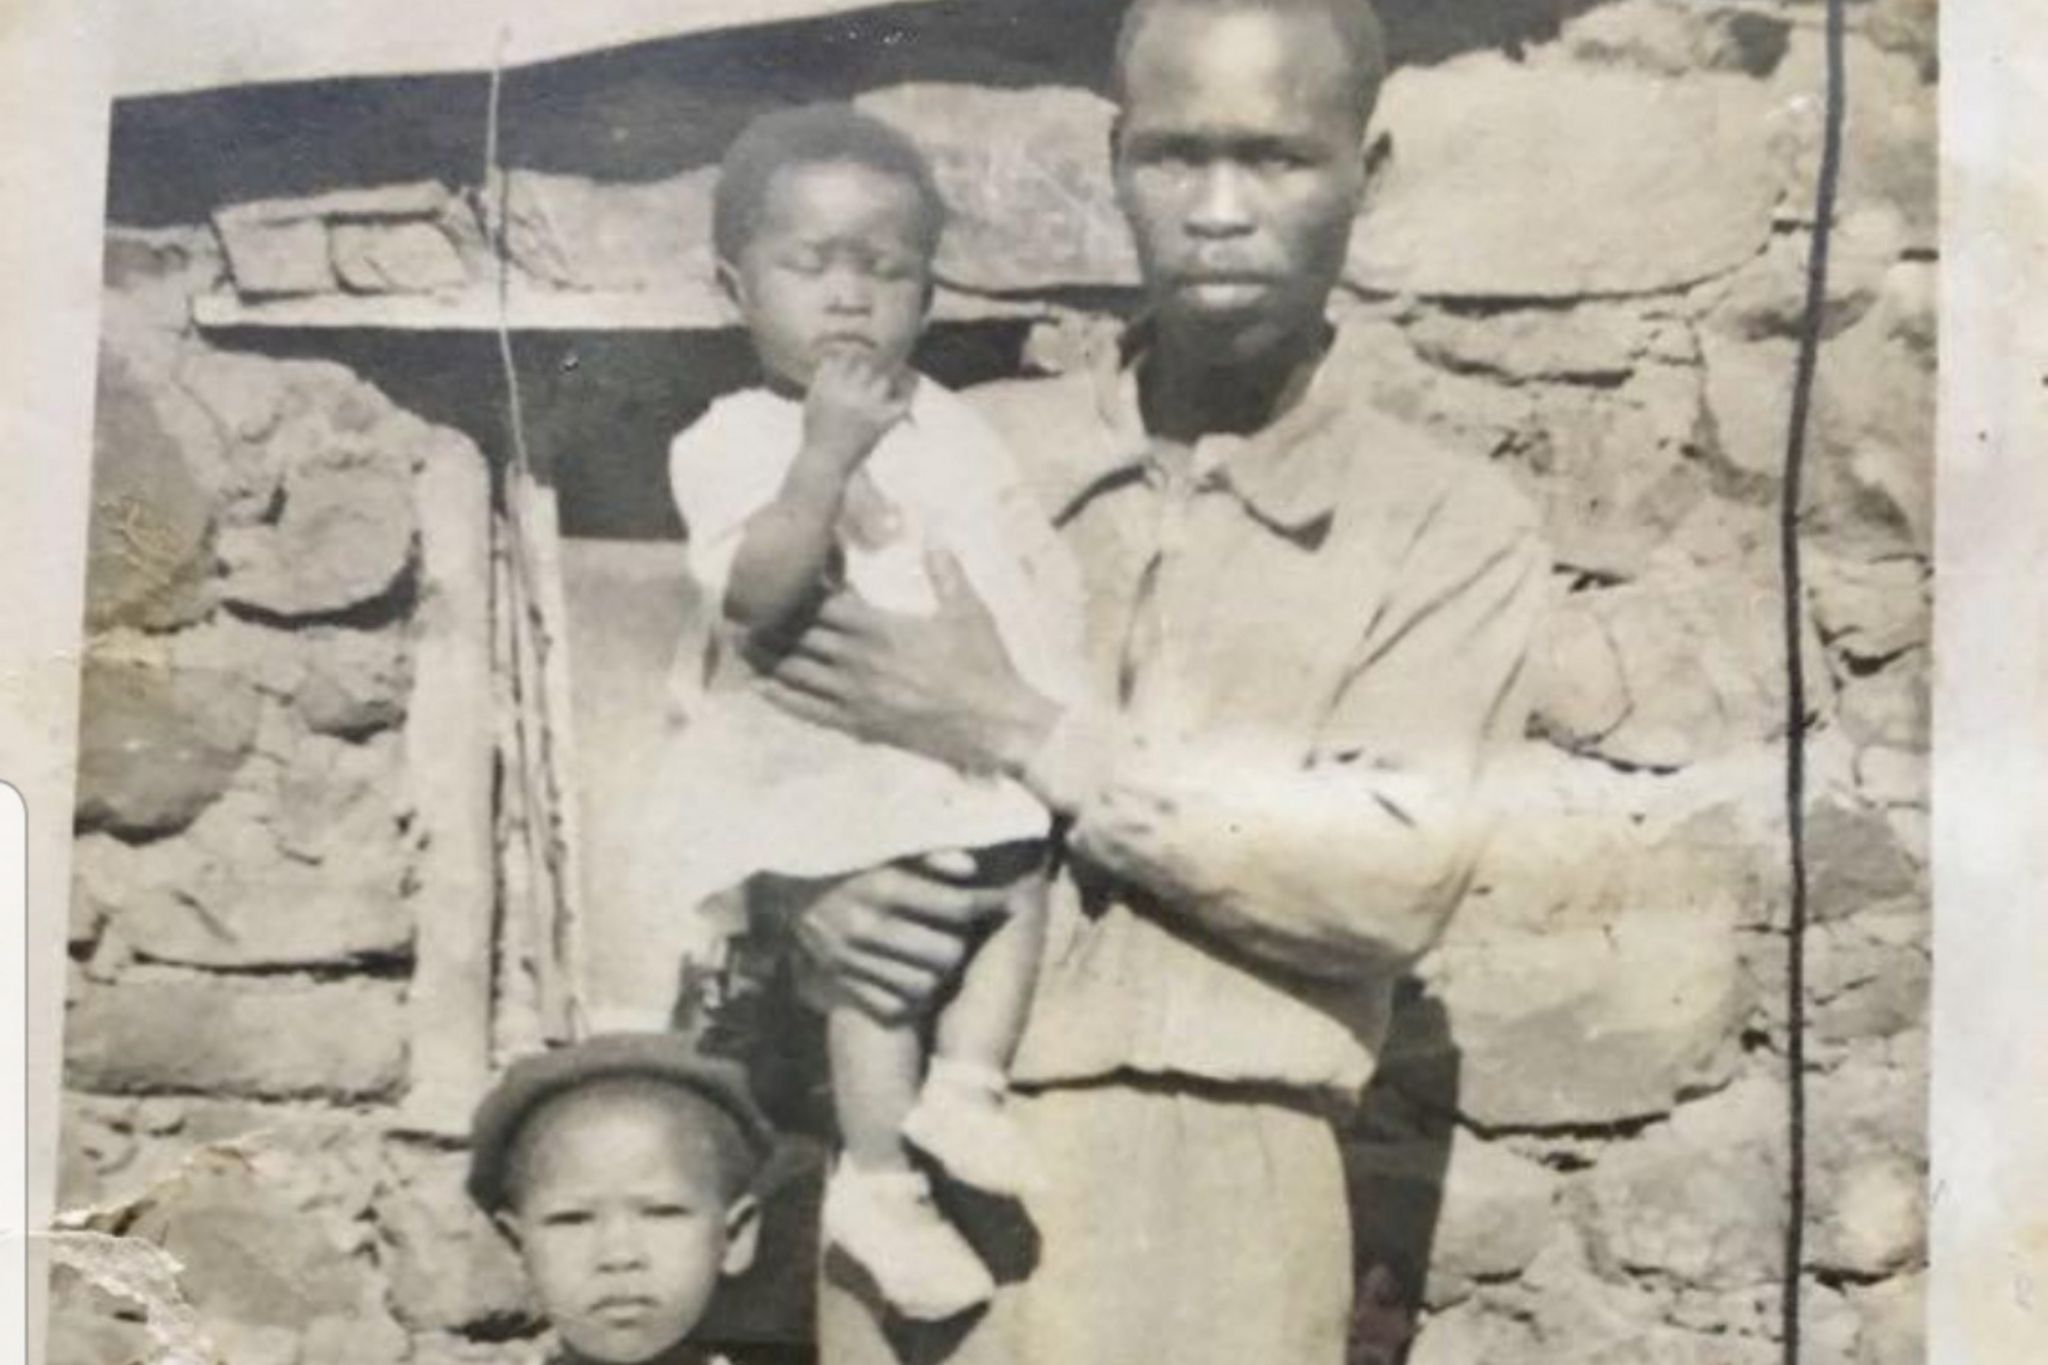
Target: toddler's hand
851,406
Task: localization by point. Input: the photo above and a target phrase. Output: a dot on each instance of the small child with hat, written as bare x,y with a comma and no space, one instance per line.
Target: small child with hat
622,1169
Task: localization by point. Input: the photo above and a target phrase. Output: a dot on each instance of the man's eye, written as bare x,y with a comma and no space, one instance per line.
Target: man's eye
1283,159
804,263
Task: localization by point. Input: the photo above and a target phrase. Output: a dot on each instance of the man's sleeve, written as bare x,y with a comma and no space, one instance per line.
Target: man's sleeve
1350,851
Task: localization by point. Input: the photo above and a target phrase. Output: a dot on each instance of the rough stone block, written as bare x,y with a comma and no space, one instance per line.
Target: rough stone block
1889,706
149,542
1468,411
1592,977
262,1038
1889,134
355,682
1578,1315
1867,975
1887,776
267,1253
270,256
1871,610
1700,1199
307,862
1472,1332
1691,659
1867,1164
1854,861
1590,344
341,535
1613,469
396,258
575,233
157,744
1910,28
1025,175
89,1326
1874,460
197,906
1873,1217
1678,39
1579,691
1545,179
1767,297
1892,1329
450,1269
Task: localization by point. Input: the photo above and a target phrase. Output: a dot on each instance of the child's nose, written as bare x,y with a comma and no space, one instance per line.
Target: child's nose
619,1244
849,289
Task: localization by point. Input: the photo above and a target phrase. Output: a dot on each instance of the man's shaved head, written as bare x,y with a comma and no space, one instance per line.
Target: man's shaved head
1353,25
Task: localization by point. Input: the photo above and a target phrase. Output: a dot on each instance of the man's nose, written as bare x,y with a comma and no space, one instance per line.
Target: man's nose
1222,201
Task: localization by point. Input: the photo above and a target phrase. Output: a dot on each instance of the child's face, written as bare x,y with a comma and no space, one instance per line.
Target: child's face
836,263
623,1223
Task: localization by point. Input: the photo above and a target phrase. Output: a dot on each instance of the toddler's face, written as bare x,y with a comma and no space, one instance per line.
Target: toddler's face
623,1224
836,263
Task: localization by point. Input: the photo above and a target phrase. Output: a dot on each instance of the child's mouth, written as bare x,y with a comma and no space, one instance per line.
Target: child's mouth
622,1310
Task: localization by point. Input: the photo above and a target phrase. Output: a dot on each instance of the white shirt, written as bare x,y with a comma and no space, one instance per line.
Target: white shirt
777,794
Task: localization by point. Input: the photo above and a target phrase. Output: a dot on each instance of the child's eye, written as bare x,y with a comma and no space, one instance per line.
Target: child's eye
804,262
668,1211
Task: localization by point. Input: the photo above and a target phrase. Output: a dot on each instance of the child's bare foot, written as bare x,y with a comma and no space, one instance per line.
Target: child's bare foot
886,1221
962,1122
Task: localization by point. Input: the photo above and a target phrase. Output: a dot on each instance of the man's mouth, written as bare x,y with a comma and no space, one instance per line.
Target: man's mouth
1223,286
845,341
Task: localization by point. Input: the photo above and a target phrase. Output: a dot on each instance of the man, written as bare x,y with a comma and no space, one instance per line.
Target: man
1307,623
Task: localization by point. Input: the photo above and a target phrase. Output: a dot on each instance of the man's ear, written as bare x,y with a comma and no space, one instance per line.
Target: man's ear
742,1235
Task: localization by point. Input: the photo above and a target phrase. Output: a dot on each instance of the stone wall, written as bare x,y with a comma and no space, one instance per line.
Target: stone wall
1584,258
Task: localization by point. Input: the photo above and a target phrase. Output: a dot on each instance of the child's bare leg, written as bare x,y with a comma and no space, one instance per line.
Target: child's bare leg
876,1070
960,1120
878,1207
981,1024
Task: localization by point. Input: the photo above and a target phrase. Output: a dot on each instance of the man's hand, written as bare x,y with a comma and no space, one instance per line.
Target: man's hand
940,685
851,405
889,938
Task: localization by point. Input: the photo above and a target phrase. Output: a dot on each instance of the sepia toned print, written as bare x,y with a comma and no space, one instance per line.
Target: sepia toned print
1423,845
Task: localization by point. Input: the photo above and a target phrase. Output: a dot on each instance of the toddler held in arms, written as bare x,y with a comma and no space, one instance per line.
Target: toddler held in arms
845,470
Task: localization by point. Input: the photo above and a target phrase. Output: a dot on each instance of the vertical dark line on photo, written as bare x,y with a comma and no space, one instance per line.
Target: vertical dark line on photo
1827,184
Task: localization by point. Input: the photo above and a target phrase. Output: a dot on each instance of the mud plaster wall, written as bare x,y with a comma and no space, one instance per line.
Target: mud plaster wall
1584,258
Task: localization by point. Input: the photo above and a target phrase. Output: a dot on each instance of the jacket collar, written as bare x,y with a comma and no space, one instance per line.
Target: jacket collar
1288,476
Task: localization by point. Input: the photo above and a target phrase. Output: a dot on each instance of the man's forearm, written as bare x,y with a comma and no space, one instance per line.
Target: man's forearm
1324,871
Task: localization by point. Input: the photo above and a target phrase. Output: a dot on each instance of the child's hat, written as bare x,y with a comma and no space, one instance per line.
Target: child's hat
669,1058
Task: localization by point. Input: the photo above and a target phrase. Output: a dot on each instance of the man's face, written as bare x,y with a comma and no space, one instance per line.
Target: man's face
1240,162
837,263
621,1219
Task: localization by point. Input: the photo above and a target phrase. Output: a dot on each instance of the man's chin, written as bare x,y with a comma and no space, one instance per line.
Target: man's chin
1224,336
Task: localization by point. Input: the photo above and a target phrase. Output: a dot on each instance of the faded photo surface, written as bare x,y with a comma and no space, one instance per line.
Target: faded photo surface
1351,652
